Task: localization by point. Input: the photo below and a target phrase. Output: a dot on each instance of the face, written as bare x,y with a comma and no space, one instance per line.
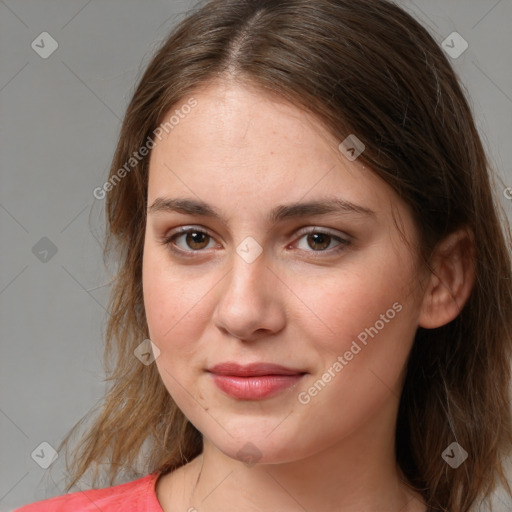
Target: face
327,293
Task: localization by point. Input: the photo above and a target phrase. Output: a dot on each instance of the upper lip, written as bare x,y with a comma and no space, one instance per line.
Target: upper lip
253,369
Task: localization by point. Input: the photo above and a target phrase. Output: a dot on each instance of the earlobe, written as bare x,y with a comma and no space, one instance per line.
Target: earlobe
450,286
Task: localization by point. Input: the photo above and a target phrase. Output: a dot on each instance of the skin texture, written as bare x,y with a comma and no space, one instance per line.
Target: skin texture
300,304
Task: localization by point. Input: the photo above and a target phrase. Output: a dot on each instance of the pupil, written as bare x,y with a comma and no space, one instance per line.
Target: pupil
322,236
193,237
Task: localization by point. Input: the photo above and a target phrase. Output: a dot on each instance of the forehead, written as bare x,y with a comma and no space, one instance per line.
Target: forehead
239,143
230,115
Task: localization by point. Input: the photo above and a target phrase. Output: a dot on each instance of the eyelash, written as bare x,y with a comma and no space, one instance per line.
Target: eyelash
168,241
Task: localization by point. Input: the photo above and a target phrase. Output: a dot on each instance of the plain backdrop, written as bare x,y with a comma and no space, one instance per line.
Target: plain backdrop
60,118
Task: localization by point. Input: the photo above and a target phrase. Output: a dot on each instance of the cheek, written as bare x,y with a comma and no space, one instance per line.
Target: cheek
167,299
174,315
177,302
365,315
342,304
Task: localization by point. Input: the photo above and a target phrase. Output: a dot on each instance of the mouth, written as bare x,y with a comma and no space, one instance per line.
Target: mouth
255,381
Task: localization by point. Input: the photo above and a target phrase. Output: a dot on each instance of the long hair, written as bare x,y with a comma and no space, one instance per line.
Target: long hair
362,67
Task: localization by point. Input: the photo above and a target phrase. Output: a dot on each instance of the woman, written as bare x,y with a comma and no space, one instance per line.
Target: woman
313,306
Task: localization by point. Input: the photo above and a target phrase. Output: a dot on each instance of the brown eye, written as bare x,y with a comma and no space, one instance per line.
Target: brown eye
319,240
196,239
193,240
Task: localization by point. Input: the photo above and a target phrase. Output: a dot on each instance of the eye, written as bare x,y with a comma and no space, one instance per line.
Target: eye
194,240
319,240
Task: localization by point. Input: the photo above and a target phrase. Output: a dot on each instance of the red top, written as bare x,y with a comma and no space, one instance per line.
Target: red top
135,496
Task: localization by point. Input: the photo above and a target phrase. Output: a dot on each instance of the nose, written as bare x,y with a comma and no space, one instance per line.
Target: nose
250,300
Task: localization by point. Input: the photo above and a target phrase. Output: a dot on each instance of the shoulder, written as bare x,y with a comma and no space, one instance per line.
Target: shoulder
131,496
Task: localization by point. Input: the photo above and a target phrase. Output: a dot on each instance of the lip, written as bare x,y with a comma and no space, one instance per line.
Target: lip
253,369
255,381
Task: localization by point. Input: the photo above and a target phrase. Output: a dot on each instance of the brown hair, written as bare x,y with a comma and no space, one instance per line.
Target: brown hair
362,67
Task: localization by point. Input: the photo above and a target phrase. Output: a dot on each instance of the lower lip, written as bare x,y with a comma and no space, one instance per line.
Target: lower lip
254,388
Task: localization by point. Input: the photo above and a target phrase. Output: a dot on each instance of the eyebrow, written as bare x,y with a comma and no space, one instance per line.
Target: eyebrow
277,214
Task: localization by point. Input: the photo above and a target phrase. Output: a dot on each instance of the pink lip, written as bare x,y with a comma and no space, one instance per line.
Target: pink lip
254,381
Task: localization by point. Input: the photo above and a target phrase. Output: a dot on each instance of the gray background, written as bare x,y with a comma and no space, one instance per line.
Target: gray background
60,117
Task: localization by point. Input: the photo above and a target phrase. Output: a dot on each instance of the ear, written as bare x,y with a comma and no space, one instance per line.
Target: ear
449,286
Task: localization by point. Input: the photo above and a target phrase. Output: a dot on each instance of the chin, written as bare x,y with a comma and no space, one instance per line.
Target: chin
256,446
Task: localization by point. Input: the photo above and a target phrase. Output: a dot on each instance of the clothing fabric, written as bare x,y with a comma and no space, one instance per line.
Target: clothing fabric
135,496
